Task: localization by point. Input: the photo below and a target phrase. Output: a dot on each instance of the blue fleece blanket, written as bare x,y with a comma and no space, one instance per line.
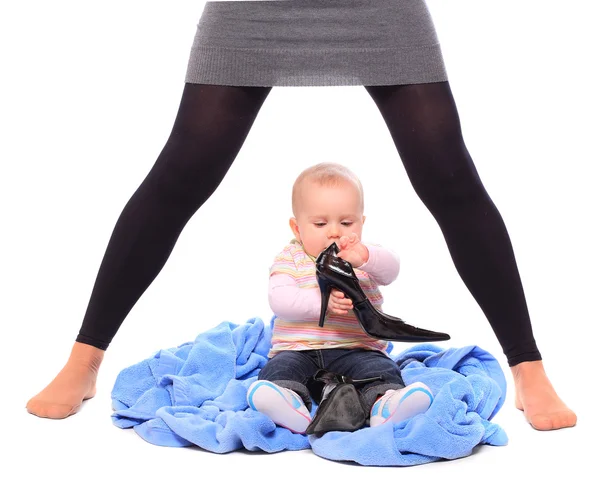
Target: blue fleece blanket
195,394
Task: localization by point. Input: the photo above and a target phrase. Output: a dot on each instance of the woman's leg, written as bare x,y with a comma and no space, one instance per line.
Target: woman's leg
425,127
210,128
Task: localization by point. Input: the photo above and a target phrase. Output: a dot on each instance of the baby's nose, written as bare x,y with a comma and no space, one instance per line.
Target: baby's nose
334,232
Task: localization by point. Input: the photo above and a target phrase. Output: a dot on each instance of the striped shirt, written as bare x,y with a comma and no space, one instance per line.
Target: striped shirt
295,299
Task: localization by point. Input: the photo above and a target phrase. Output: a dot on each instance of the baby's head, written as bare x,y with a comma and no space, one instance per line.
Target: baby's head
328,203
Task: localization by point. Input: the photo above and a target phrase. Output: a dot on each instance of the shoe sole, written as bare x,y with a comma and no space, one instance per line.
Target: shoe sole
416,401
269,400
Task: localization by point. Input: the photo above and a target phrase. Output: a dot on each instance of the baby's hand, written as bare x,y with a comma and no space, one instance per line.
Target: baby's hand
353,251
338,303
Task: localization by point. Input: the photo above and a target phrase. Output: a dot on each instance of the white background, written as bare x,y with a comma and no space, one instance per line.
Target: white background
89,95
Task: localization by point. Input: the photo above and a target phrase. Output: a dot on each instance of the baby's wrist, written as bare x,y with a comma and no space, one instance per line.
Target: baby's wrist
366,248
365,252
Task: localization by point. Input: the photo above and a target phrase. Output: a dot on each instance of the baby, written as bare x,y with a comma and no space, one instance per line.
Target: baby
327,203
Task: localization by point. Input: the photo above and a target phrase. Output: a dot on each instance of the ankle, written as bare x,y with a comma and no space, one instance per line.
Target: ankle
527,368
85,355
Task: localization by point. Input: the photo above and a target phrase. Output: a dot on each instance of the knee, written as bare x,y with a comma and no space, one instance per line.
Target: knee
391,373
455,183
185,172
286,365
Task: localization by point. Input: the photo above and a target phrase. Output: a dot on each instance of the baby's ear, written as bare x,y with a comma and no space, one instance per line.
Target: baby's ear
294,227
364,217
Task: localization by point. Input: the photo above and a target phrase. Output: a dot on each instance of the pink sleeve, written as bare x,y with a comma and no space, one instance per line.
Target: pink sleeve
382,266
290,302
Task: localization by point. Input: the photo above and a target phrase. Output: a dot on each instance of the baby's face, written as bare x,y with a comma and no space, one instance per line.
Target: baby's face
325,214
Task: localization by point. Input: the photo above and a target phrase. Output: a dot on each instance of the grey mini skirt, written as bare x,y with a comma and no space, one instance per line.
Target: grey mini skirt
315,43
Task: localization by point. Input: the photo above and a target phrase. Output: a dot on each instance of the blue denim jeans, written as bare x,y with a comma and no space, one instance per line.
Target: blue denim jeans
292,369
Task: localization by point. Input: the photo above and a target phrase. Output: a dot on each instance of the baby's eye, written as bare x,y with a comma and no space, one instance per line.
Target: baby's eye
319,224
348,223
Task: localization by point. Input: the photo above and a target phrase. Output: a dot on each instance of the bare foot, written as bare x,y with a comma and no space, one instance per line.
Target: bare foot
75,382
535,395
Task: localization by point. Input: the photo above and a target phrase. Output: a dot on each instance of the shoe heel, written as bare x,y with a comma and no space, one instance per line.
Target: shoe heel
325,291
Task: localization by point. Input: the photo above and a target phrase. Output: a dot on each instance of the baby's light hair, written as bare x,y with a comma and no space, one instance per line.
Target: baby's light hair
327,174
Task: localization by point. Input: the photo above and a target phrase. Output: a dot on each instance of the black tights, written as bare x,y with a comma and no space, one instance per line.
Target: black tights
209,130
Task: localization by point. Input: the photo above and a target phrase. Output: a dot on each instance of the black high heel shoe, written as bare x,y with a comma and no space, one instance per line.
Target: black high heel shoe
335,272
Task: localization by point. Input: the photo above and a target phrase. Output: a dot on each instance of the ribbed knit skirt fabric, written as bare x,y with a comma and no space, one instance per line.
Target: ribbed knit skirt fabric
316,43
